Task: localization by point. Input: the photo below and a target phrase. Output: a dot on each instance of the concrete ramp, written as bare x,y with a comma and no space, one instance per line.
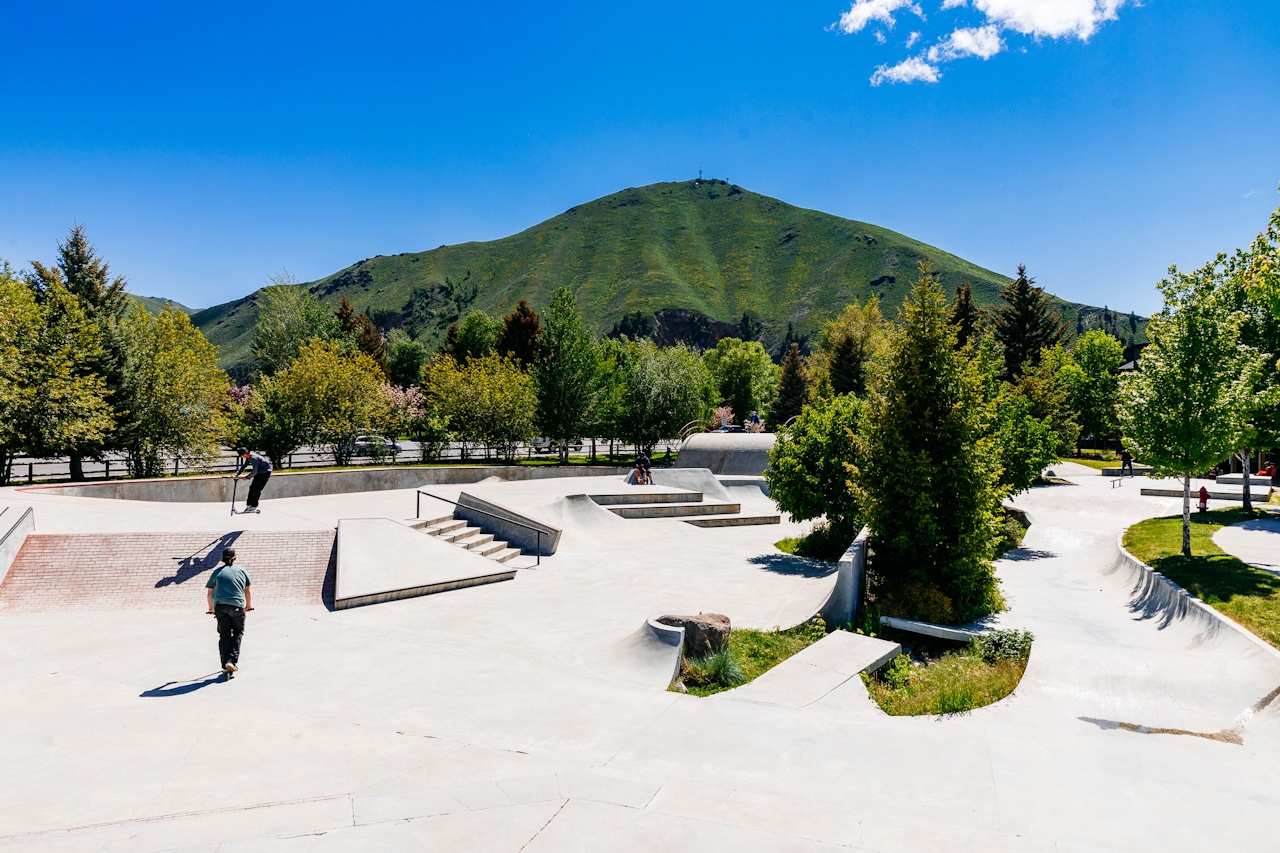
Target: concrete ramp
383,560
649,657
831,664
692,479
742,453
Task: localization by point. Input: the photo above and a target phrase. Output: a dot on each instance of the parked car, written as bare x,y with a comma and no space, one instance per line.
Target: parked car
374,446
546,445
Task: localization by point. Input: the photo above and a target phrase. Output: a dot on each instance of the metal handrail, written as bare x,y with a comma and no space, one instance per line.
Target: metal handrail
418,514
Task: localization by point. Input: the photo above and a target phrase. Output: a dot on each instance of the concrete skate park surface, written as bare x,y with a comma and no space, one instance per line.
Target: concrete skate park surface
743,453
486,718
1256,542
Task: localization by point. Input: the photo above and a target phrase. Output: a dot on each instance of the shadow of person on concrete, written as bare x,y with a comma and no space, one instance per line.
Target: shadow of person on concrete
789,564
204,560
179,688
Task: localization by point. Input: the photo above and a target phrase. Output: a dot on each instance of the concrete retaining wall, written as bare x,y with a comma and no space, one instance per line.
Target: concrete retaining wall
15,523
851,579
1156,597
299,484
741,453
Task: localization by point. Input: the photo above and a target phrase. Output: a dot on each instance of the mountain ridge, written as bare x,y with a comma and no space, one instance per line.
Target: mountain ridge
704,252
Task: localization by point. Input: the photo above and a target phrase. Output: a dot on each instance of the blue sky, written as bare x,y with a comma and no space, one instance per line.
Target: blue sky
207,146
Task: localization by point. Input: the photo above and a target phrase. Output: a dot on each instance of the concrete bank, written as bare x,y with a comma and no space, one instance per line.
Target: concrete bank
302,484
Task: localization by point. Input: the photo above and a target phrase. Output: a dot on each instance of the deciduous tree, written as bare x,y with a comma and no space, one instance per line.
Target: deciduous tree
288,316
746,378
1188,406
808,466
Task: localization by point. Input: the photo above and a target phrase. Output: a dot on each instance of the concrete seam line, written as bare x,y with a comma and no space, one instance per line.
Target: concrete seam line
176,816
1195,602
545,825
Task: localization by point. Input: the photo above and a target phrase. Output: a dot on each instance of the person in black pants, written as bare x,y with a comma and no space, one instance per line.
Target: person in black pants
229,598
260,467
1126,463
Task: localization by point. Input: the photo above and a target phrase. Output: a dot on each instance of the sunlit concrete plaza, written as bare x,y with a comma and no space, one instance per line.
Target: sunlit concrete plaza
521,715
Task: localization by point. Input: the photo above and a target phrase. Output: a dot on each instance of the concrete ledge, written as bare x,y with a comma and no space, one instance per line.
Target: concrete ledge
955,633
674,510
1260,496
815,671
846,596
16,522
631,498
382,560
301,484
1138,471
734,521
1238,480
507,524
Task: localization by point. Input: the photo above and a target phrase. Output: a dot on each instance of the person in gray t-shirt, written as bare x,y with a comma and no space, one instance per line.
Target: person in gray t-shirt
229,598
259,467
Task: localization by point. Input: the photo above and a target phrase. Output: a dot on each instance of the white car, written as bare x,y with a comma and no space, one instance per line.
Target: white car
546,445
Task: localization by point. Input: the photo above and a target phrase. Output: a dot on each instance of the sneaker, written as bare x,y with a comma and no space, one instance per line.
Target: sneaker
230,669
252,509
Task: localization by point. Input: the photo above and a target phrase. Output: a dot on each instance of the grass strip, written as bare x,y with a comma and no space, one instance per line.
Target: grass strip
750,654
1227,584
979,674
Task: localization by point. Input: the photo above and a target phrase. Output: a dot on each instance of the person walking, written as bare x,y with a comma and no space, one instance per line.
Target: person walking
259,467
1126,463
229,597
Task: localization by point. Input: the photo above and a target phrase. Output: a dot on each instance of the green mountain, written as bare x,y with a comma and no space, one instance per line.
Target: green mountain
694,256
155,304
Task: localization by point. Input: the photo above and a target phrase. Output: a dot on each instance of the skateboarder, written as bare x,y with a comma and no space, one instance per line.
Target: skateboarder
229,598
257,465
1126,463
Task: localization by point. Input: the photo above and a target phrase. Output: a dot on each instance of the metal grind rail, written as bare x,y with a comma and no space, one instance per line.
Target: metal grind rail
418,514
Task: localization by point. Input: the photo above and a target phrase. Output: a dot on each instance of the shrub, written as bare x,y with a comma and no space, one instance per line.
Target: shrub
718,669
1008,644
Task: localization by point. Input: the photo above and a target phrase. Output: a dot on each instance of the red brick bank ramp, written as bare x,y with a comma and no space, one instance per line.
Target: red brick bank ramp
136,571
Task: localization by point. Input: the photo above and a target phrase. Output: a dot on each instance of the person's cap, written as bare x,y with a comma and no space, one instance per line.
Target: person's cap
242,451
228,554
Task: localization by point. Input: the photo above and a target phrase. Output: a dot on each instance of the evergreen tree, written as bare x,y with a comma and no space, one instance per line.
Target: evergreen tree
849,345
519,336
87,277
362,333
565,370
749,328
964,315
635,326
1026,323
928,476
792,337
793,389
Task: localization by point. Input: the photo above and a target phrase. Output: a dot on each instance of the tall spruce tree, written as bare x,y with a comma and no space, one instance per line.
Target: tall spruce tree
88,277
964,315
850,344
519,335
928,474
565,370
793,389
1026,323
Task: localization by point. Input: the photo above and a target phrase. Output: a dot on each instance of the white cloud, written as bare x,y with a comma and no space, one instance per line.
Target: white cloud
879,37
912,39
863,12
982,42
952,4
1052,18
906,71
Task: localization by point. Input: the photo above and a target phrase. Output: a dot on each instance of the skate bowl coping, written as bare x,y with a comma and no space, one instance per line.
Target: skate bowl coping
737,453
303,484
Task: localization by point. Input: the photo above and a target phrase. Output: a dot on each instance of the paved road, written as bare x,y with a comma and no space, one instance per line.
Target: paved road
466,721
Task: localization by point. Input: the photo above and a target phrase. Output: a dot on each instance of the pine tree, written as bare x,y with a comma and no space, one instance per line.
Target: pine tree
850,343
519,335
928,475
964,315
793,337
793,389
1026,323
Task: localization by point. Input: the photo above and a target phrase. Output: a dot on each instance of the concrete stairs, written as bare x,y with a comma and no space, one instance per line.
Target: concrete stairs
458,532
688,507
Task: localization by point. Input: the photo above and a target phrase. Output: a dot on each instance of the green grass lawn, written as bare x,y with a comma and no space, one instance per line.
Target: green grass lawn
1247,595
1093,463
750,655
979,674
